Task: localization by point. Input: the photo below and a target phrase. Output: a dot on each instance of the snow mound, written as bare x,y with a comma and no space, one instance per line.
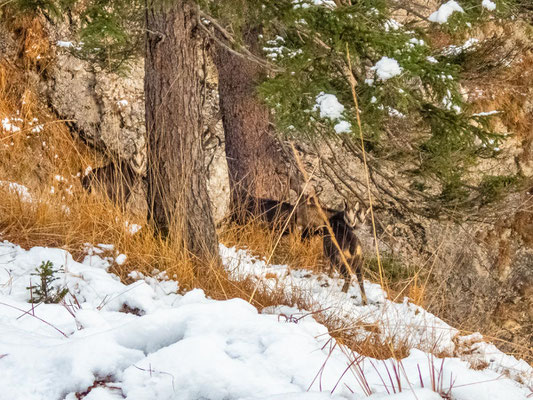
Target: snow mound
402,323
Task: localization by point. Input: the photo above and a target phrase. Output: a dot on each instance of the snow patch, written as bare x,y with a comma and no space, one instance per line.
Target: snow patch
276,49
121,259
309,3
343,127
486,113
456,50
18,189
387,68
445,11
415,42
392,25
489,5
9,126
331,108
132,229
64,43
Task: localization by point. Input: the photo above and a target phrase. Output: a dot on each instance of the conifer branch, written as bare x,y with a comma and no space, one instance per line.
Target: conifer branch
243,52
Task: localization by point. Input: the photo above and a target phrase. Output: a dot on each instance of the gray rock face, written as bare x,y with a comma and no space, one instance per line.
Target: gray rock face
214,147
7,44
106,108
108,111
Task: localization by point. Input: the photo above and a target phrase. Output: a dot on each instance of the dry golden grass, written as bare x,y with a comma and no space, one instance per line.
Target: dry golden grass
373,344
49,220
510,95
33,43
264,242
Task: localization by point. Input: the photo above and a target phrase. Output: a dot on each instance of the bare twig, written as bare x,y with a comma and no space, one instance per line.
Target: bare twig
243,52
36,317
353,83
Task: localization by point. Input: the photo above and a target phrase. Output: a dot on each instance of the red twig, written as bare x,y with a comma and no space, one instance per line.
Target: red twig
36,317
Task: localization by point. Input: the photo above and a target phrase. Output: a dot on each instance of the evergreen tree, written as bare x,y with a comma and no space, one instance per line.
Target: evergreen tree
258,166
178,202
46,291
414,119
421,139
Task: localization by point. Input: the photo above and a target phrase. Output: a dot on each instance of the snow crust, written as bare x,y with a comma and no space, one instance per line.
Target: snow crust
69,45
343,127
329,106
144,341
132,229
392,25
64,43
445,11
455,50
14,124
8,124
486,113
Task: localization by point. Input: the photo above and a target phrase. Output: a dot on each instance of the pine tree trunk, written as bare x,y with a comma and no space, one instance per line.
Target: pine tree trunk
257,167
178,202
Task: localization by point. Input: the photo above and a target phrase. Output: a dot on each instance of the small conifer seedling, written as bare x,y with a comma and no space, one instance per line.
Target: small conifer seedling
45,292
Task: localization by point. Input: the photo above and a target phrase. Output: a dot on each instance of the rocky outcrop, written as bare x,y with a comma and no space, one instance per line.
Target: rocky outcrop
107,110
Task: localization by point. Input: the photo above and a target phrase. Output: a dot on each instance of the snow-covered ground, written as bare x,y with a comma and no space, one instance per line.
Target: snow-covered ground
143,341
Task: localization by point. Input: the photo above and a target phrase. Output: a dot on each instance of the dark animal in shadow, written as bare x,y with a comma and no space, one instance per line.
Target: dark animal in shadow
343,225
279,215
117,179
282,215
308,218
304,217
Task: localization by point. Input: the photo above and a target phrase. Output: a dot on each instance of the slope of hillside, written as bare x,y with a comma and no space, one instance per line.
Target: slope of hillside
108,340
128,330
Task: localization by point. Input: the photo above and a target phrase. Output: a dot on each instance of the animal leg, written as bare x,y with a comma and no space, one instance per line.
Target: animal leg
346,285
305,234
346,274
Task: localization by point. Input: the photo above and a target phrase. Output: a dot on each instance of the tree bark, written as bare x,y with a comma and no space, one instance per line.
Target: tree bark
256,164
178,202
